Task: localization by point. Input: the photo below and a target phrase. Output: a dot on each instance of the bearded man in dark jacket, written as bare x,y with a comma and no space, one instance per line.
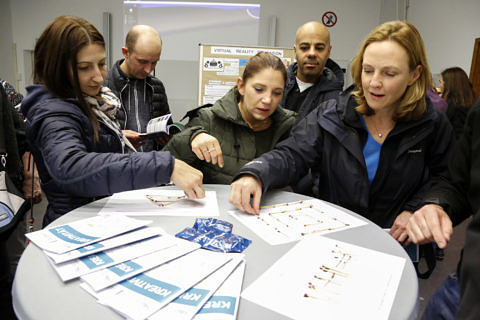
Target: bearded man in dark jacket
142,95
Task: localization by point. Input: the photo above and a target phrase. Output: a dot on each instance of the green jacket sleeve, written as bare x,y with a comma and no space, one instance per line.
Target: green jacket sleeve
180,144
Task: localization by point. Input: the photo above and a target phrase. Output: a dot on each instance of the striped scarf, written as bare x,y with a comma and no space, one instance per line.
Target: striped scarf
105,106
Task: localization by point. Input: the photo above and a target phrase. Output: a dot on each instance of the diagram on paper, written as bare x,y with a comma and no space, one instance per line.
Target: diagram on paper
292,221
161,202
331,278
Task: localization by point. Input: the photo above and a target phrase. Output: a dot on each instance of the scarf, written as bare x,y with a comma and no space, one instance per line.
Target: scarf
105,106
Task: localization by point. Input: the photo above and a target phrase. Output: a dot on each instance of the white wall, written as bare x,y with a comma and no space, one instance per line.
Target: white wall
448,27
7,67
30,17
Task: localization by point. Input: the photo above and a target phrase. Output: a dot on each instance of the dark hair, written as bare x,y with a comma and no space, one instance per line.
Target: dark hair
457,88
55,59
259,62
413,103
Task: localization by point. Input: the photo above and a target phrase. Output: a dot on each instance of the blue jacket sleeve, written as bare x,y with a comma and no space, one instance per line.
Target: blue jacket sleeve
91,174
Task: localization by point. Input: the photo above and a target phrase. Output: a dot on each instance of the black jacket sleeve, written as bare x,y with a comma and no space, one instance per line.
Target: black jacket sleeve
290,159
459,194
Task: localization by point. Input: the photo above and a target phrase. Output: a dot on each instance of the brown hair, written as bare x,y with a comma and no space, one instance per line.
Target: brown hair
55,59
413,104
262,60
457,88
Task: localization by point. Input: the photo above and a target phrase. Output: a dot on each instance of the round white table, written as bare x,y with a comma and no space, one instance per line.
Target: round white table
38,293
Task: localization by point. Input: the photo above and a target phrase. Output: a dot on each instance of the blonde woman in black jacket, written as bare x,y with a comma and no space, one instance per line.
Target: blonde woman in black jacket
376,149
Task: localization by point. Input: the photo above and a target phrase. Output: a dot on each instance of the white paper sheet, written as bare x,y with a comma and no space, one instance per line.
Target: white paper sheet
288,222
129,237
146,293
83,232
190,302
223,305
75,268
104,278
331,279
160,202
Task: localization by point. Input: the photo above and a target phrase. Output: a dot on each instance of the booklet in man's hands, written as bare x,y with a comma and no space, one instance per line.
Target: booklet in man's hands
162,126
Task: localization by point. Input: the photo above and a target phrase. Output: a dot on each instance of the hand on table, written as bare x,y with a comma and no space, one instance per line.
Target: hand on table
241,192
399,227
134,137
430,223
206,147
188,179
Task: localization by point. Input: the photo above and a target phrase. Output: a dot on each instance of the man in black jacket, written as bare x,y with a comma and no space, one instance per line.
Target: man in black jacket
142,95
314,78
459,197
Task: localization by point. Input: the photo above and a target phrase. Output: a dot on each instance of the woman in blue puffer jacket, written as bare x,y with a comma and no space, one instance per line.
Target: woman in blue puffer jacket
79,149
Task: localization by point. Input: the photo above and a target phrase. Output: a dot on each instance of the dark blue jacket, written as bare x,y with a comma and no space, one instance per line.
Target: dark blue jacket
330,141
73,169
327,87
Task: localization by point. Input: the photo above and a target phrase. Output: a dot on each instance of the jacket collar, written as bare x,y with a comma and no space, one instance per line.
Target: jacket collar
346,111
332,73
123,76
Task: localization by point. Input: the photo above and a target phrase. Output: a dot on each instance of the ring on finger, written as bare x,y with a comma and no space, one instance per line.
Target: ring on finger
211,150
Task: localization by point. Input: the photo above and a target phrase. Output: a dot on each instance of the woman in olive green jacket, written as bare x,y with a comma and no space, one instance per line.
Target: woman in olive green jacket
242,125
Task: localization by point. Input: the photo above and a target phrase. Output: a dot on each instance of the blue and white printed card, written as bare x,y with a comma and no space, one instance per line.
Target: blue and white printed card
104,278
146,293
191,301
223,305
129,237
84,232
75,268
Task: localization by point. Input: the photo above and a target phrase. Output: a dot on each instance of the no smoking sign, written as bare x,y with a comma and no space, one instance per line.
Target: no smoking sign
329,19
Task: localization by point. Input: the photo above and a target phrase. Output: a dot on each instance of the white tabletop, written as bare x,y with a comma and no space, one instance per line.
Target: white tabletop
38,293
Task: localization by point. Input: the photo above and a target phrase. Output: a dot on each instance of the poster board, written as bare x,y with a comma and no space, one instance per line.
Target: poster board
221,65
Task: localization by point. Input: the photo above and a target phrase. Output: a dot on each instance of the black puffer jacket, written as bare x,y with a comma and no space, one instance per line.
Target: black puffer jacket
155,94
327,87
141,100
330,141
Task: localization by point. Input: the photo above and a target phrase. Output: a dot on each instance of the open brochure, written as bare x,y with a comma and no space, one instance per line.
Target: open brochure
162,126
